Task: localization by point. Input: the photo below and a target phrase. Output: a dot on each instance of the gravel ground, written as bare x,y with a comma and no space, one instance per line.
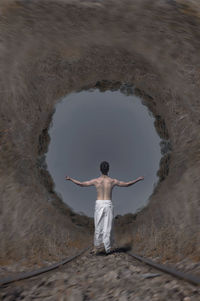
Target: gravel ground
116,276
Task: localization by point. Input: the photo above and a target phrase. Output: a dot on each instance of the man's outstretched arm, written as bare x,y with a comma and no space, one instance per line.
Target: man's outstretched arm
83,184
126,184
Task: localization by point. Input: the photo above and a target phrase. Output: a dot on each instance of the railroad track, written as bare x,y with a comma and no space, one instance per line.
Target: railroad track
181,275
25,275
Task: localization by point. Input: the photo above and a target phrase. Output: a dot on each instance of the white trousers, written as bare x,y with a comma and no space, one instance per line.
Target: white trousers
103,221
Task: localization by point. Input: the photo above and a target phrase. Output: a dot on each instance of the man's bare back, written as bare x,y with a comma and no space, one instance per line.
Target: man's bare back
104,185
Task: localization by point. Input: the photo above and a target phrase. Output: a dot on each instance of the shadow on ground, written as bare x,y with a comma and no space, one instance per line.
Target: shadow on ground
122,249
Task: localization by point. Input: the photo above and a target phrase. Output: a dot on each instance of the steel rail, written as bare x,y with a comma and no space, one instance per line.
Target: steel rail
185,276
30,274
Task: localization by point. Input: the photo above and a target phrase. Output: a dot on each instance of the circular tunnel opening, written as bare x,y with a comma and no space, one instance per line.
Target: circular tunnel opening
110,121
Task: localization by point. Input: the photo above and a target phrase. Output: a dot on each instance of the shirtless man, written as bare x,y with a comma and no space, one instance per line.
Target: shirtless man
103,216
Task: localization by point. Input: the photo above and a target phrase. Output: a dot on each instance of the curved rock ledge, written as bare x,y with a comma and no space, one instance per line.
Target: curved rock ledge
51,48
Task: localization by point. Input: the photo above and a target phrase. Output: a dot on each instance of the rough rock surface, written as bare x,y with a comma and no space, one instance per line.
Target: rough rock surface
51,48
113,277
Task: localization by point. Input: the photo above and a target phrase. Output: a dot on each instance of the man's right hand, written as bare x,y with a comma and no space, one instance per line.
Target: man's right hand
67,178
141,178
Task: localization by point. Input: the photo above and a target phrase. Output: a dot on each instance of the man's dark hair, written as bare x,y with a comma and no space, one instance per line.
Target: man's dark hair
104,167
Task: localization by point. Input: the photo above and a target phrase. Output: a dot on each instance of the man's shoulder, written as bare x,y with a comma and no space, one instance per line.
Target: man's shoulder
109,178
100,179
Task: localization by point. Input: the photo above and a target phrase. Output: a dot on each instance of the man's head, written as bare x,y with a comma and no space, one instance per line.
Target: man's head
104,167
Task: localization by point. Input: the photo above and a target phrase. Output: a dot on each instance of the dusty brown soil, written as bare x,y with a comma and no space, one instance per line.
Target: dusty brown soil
51,48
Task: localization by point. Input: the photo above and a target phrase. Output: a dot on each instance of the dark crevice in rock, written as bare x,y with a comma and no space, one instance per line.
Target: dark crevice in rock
164,167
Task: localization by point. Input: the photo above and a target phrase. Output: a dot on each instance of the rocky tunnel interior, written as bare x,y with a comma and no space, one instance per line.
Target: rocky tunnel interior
51,48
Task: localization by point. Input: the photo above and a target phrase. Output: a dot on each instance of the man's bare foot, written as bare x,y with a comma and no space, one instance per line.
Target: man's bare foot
97,250
93,251
111,251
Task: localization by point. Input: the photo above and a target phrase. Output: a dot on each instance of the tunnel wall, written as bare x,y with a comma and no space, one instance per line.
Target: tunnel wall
51,48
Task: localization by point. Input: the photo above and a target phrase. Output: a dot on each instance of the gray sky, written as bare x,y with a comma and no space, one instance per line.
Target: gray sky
90,127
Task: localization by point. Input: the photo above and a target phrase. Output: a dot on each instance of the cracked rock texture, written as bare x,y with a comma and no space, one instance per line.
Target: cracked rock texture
51,48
